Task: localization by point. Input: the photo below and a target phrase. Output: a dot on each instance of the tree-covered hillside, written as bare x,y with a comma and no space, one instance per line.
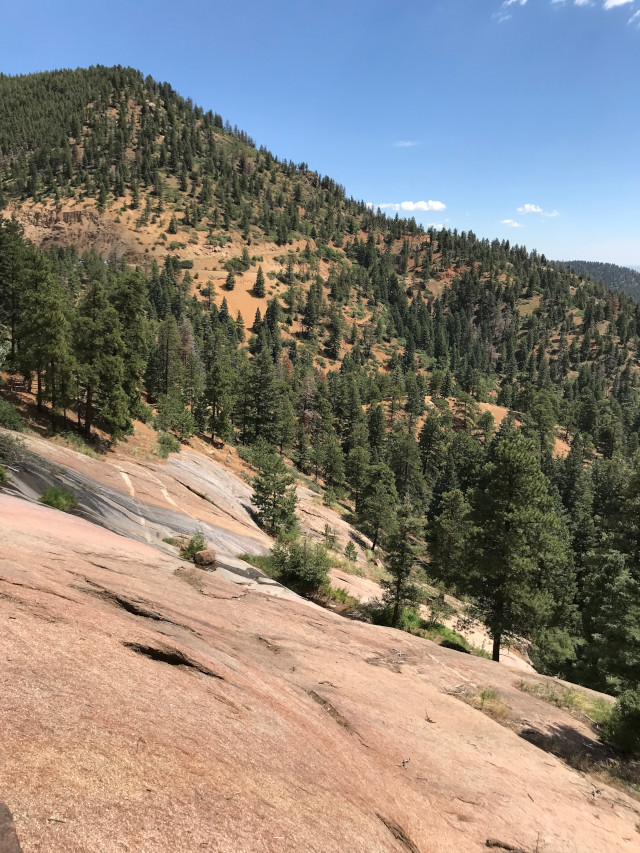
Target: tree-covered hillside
625,279
375,366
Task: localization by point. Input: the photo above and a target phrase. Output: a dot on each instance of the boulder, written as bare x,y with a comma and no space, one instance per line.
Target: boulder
205,558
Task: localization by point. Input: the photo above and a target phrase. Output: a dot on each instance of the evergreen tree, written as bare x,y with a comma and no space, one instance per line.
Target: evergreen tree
379,502
519,568
403,549
274,498
99,352
259,286
45,332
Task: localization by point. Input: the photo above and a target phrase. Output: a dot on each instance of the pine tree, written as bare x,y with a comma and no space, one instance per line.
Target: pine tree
165,366
403,549
356,467
128,297
45,332
259,286
519,568
274,498
379,502
99,351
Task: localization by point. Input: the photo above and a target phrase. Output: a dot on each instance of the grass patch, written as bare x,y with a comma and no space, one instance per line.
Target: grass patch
4,477
258,562
595,710
450,639
58,498
75,442
489,701
339,595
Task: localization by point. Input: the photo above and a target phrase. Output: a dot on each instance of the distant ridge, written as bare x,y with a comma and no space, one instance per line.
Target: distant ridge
626,279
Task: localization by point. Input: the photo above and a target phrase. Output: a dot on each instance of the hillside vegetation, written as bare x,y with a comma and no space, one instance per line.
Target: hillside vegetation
376,359
619,278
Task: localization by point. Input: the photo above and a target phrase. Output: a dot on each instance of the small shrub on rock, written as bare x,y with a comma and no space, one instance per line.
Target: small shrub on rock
196,543
623,726
58,498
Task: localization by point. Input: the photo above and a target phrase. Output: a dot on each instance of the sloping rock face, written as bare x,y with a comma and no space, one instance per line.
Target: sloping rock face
147,705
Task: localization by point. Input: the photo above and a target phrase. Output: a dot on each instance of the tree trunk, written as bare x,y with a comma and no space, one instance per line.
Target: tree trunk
396,608
39,392
496,647
89,412
497,621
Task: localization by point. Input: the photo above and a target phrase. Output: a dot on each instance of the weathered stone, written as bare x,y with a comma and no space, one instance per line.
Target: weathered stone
206,557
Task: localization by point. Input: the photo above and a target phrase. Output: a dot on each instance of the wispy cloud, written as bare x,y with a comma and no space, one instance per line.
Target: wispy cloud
503,13
512,223
635,19
409,206
606,4
535,208
404,143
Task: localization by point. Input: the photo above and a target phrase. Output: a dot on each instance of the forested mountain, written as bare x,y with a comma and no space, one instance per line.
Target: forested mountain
625,279
372,358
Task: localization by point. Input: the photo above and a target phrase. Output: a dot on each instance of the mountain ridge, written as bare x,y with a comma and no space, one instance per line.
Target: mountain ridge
369,352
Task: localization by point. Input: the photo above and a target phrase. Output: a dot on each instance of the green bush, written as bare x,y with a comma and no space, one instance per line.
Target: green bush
9,417
12,449
166,444
302,566
173,415
58,499
622,729
4,477
196,543
350,552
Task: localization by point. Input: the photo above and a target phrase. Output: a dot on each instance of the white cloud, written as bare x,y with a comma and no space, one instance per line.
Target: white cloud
611,4
582,3
534,208
423,205
512,223
529,208
502,14
405,143
635,18
408,206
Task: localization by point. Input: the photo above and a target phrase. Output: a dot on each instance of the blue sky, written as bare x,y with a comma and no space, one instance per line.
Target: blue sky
515,119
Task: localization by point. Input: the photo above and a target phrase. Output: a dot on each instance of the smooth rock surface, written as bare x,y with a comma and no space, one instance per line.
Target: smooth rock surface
147,705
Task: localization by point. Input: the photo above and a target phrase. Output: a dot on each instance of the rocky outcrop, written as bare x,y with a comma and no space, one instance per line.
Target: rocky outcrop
147,705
